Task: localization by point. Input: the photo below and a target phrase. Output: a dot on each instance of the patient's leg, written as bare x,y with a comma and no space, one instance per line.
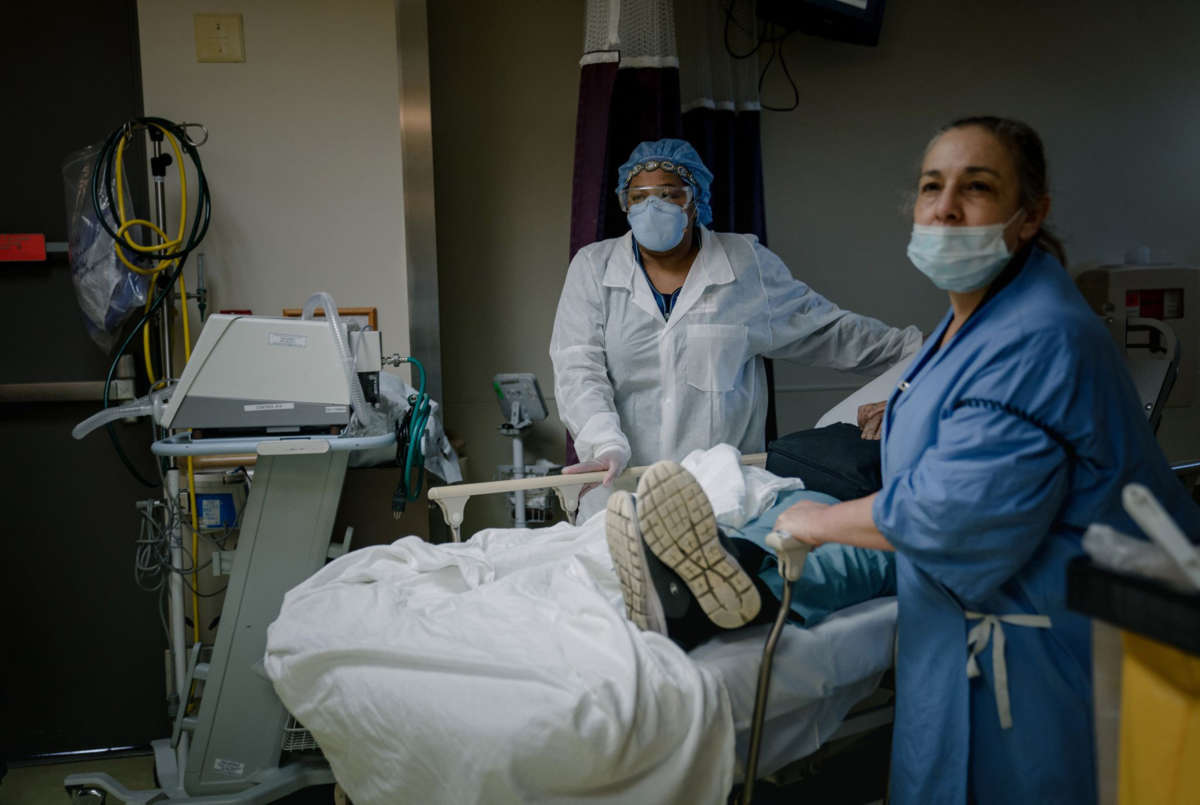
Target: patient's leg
679,576
682,577
835,576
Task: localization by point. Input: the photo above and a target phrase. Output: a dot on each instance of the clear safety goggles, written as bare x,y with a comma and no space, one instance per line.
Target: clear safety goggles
676,194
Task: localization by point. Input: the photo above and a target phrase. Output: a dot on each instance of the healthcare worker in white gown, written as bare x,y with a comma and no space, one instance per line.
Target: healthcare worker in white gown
660,334
1015,428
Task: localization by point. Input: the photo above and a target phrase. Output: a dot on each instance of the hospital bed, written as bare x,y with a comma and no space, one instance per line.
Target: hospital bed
421,671
503,669
825,679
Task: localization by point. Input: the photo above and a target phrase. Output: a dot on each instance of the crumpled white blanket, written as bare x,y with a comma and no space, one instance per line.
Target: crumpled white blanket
503,669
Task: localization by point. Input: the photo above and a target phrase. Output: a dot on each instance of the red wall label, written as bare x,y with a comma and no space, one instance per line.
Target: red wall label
22,248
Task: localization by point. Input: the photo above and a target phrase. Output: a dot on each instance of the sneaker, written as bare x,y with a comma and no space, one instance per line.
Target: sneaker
656,598
676,522
642,604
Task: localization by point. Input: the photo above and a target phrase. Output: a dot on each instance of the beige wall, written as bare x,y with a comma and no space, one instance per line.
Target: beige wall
505,82
304,155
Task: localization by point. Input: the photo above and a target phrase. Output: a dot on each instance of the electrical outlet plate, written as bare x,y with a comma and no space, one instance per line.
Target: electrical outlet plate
219,38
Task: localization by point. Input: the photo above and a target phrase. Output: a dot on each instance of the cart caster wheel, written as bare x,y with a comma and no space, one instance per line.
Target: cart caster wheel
85,794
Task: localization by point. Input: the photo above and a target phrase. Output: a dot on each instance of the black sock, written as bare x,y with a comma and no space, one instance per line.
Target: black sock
687,624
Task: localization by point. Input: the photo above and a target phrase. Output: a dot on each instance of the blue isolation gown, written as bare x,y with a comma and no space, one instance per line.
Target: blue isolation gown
998,450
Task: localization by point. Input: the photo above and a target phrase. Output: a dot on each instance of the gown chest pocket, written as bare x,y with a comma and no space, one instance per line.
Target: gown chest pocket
715,354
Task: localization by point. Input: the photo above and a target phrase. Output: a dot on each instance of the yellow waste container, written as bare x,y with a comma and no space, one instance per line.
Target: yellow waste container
1160,724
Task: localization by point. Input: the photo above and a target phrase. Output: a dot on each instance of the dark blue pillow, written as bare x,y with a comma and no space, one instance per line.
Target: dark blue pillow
835,460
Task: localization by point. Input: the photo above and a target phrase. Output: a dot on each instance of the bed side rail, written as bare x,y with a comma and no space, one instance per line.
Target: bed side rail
452,500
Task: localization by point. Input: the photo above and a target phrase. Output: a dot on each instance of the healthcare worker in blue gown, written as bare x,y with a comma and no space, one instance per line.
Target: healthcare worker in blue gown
1016,426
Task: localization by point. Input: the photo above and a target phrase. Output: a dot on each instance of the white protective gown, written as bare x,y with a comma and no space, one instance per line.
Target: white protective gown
625,377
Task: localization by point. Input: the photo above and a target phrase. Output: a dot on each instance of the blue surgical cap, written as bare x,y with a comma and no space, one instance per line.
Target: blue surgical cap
672,156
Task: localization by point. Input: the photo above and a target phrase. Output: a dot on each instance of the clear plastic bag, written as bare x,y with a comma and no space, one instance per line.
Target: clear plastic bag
440,456
106,290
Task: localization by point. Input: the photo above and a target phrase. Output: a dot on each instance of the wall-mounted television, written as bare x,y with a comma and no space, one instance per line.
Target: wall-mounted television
855,21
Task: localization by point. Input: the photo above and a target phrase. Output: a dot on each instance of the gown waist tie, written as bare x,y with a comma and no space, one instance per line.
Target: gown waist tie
977,640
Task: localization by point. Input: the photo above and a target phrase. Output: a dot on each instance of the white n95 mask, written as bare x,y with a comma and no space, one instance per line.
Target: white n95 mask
960,258
657,224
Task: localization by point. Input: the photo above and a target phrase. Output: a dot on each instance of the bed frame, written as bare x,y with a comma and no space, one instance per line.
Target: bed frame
452,500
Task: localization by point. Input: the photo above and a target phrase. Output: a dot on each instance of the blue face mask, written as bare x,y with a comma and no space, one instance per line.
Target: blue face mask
960,258
658,224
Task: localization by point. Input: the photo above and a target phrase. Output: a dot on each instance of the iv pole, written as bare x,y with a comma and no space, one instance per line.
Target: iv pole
159,162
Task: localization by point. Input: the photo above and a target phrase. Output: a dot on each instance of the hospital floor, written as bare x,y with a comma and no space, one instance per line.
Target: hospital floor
42,784
852,771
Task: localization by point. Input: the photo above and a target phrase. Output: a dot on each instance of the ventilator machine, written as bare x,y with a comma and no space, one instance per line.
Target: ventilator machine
298,394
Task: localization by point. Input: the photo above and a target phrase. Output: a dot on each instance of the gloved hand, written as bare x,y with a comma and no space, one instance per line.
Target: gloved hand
796,521
870,419
611,461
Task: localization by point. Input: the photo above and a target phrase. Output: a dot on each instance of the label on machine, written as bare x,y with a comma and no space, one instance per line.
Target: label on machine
287,340
1155,303
231,767
269,407
216,510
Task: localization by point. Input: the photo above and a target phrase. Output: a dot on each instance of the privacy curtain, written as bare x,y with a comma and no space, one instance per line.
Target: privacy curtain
628,92
638,54
718,76
720,109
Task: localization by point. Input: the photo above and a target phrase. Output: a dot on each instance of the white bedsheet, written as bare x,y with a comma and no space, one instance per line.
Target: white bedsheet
503,670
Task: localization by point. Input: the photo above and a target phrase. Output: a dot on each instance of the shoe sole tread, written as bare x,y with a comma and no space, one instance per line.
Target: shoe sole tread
678,525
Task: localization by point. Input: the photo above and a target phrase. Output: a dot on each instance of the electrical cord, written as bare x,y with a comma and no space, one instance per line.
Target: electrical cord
158,167
152,558
191,474
162,613
408,442
106,179
110,428
730,21
759,34
144,566
777,50
152,555
168,257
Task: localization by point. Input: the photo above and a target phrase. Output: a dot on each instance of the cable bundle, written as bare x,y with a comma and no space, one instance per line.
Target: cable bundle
108,182
409,455
109,189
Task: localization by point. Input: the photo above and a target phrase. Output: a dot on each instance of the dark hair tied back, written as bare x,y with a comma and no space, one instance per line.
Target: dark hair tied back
1025,146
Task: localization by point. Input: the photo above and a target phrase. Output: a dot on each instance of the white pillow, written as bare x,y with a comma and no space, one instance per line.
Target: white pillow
877,390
